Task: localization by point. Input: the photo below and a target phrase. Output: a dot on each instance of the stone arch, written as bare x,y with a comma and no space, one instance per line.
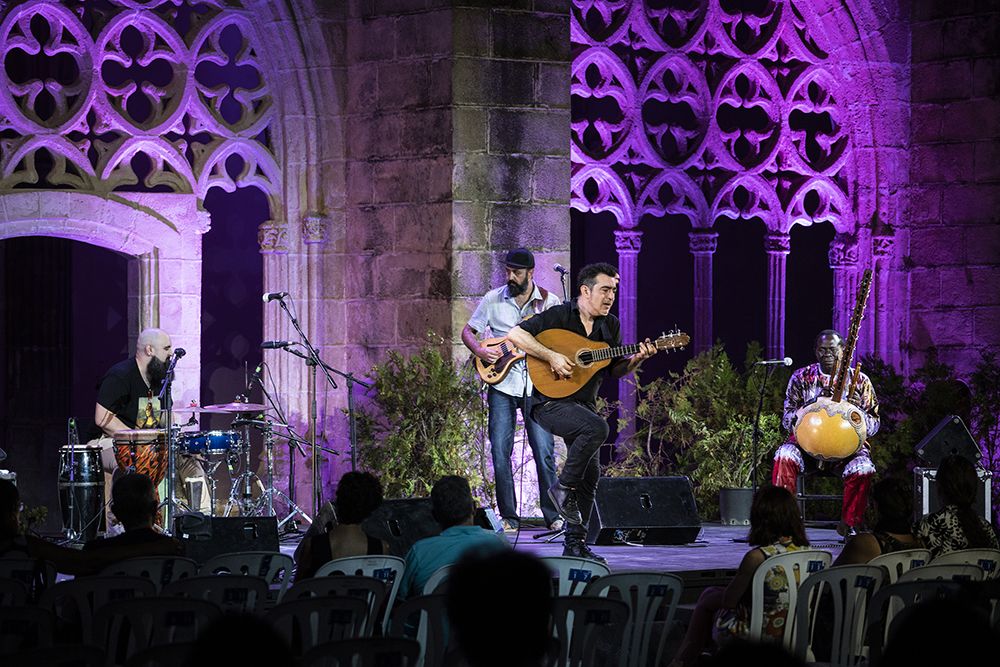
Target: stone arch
161,234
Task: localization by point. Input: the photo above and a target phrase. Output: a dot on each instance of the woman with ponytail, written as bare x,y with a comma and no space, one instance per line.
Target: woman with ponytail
956,525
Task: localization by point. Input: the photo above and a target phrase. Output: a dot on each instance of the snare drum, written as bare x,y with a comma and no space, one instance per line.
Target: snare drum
208,443
82,465
146,454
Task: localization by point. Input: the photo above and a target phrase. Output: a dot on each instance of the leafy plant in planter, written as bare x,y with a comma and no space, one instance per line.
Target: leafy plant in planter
426,419
700,423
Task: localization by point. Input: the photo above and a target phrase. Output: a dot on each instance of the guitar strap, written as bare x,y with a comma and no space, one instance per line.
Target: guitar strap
540,306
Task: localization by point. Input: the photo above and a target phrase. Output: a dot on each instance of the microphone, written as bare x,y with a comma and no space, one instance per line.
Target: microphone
254,377
179,352
561,269
271,296
277,344
787,361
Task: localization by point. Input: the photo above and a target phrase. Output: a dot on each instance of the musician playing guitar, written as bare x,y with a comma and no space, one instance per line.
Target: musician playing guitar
575,417
499,310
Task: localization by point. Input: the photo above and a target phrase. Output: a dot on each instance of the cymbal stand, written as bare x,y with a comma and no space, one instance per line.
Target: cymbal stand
243,500
169,503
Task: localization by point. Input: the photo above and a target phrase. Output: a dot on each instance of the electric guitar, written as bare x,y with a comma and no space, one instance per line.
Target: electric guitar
589,356
509,354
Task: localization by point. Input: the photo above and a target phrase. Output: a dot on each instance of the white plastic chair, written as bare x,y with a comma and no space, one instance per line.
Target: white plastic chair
387,569
233,594
850,588
891,599
955,572
898,562
368,652
273,567
652,598
369,589
436,582
75,601
126,627
309,622
589,630
572,575
797,566
987,559
160,569
429,629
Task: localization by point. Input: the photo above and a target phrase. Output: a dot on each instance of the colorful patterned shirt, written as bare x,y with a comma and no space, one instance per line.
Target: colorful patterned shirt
810,382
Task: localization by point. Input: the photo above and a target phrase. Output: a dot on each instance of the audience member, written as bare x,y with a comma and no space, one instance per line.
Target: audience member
724,613
453,509
892,503
956,525
358,495
949,631
519,590
133,500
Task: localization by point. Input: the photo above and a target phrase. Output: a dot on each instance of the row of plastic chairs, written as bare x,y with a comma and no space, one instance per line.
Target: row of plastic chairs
900,562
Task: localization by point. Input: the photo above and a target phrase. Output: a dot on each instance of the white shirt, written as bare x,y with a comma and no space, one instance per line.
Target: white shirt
499,312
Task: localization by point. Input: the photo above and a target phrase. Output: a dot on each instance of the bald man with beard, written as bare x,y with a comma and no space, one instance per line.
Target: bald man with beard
128,399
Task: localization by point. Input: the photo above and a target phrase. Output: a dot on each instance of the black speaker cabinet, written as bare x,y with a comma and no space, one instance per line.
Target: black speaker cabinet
205,537
949,437
644,510
403,521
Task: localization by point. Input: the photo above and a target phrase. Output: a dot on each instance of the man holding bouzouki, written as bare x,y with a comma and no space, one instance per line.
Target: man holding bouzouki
568,347
502,367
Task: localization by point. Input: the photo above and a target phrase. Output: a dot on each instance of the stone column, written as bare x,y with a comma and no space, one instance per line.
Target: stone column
843,258
777,247
628,242
314,234
702,244
882,250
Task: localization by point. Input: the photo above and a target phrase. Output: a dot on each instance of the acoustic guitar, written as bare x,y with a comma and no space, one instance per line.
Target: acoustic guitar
497,371
589,356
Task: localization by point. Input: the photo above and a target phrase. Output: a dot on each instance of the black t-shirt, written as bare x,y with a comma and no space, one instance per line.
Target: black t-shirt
567,316
124,392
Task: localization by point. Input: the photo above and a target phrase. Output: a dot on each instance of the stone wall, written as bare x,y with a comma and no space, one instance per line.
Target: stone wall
954,224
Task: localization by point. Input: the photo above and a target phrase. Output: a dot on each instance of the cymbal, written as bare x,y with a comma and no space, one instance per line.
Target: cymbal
139,434
199,410
238,407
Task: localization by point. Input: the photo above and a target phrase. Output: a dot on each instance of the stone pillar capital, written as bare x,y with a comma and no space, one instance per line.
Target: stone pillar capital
315,228
628,241
777,244
703,242
272,237
843,252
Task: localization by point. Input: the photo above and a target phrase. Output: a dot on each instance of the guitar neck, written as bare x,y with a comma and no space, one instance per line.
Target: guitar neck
606,353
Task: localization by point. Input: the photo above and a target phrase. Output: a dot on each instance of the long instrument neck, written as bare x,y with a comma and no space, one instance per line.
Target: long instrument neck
852,336
606,353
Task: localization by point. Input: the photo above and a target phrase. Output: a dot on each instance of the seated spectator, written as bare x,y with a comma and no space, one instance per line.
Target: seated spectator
519,589
949,631
724,613
892,501
453,509
133,500
957,525
358,495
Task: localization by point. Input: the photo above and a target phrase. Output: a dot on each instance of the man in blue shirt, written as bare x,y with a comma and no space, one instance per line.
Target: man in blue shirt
453,508
500,310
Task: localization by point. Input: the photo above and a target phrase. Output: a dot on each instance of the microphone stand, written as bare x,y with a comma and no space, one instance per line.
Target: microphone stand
565,287
312,361
166,405
756,428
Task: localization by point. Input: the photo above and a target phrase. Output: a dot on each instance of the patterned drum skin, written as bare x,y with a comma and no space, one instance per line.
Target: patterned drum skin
210,442
148,456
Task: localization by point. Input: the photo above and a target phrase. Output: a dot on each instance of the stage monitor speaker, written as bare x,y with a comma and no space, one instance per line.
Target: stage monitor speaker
205,537
403,521
949,437
926,499
644,510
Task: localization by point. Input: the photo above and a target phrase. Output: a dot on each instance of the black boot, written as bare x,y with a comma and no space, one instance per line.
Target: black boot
576,546
564,498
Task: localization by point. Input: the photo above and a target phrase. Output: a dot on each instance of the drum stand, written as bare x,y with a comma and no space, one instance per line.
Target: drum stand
245,479
169,503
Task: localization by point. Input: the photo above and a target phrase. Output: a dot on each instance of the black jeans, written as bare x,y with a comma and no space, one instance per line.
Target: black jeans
584,432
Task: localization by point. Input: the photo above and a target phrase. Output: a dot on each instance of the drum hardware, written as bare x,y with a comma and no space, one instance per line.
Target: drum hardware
211,449
81,487
170,503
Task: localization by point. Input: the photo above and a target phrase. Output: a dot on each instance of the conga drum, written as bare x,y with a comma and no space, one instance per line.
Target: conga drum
143,451
81,476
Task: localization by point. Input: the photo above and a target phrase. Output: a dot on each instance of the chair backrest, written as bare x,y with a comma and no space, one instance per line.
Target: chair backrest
589,630
160,569
987,559
424,619
437,581
886,604
369,589
570,576
127,627
309,622
232,594
387,569
164,655
832,607
61,655
36,574
898,562
24,628
796,566
956,572
272,566
74,601
368,652
12,592
652,598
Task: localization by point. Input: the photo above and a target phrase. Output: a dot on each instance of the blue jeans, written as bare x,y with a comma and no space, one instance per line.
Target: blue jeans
503,417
